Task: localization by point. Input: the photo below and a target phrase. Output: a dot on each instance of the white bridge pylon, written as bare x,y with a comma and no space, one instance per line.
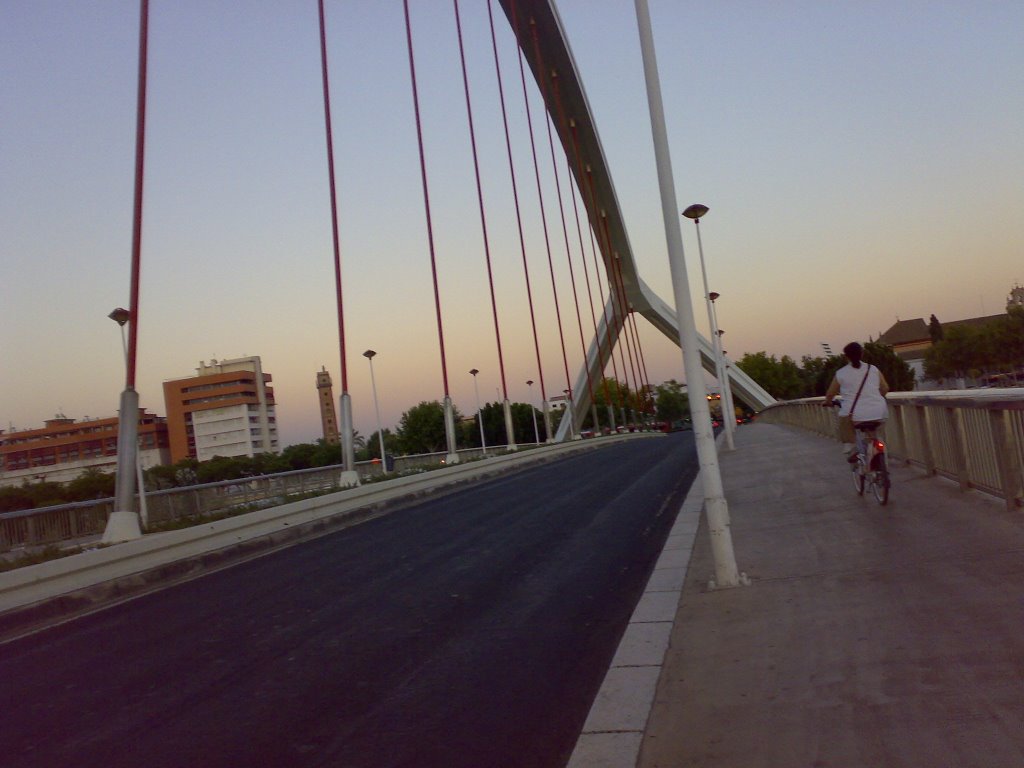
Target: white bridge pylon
542,39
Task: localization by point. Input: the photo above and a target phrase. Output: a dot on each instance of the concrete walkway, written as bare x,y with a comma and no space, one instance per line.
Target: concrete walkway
870,636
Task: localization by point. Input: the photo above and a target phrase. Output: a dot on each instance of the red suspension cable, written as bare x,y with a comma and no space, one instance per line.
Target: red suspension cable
568,257
140,154
426,198
334,199
586,274
480,198
515,197
626,310
543,215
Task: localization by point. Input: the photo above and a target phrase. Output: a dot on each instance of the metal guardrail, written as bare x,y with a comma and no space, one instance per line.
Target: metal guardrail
975,438
84,519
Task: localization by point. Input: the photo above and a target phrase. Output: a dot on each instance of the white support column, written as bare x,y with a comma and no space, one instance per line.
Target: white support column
510,431
349,476
449,431
123,523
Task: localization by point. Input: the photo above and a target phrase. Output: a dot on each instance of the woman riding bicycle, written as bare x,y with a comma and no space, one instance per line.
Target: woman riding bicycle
862,389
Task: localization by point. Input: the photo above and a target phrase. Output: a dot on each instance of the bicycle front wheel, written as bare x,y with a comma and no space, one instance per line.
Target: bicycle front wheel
858,477
880,483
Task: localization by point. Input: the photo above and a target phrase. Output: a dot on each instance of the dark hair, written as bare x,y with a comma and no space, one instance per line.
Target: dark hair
854,351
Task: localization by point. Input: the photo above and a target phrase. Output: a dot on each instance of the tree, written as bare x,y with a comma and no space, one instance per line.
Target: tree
935,329
898,374
391,444
421,428
780,378
91,484
671,401
955,356
523,415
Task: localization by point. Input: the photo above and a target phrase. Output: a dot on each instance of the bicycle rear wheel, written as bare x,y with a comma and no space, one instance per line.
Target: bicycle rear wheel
880,480
858,477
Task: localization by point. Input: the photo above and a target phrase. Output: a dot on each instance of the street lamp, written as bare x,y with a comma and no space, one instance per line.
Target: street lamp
479,413
536,432
121,316
369,355
695,212
568,405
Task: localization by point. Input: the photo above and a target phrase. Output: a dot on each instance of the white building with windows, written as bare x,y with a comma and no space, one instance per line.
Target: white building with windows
226,409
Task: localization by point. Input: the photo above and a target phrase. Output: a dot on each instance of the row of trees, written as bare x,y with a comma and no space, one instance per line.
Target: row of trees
958,351
785,379
420,430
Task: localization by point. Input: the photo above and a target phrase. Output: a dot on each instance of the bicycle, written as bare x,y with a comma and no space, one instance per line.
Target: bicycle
870,468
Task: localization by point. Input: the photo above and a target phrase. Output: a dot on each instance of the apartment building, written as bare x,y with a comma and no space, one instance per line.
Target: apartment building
226,409
64,448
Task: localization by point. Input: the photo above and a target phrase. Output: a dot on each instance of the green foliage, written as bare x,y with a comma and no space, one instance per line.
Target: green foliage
421,428
781,378
970,350
898,374
671,401
372,449
91,484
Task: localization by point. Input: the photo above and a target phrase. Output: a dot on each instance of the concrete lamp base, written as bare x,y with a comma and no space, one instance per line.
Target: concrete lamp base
122,526
349,479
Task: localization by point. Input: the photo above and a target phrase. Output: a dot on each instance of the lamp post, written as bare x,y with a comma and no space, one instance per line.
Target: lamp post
716,508
479,413
568,405
121,316
123,523
695,212
726,385
536,432
369,355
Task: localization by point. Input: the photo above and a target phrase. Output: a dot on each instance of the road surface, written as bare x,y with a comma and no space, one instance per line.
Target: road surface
472,629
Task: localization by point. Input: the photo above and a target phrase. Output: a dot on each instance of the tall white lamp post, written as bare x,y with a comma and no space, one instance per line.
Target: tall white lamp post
726,386
695,212
369,355
716,509
479,413
536,432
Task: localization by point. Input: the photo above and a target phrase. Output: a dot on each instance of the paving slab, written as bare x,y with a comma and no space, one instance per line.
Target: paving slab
869,636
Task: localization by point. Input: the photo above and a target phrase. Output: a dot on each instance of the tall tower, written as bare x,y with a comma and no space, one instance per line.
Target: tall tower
328,416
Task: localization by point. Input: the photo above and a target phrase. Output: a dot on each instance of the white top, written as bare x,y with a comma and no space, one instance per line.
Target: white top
871,405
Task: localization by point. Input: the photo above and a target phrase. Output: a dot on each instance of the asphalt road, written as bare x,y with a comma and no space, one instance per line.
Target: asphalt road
472,629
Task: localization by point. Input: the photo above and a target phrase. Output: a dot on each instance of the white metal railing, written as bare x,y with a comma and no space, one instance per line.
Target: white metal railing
66,522
973,437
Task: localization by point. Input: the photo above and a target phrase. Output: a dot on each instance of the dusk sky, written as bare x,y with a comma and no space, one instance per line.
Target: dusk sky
862,162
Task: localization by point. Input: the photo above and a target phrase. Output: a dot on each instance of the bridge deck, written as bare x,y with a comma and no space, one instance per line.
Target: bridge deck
870,635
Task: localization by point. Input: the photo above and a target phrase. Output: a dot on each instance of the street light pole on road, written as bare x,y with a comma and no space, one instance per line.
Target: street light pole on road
716,509
536,432
369,355
479,413
695,212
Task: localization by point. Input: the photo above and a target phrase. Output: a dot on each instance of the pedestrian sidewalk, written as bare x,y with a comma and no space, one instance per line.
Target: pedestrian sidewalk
869,636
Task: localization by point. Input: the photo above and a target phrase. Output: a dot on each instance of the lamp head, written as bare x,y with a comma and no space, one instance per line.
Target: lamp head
529,383
120,316
473,372
369,354
695,211
713,295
